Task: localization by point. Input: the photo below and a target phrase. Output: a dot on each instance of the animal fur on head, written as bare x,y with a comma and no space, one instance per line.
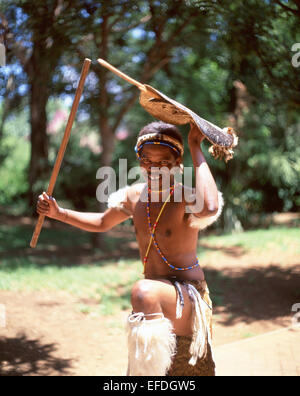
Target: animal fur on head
151,345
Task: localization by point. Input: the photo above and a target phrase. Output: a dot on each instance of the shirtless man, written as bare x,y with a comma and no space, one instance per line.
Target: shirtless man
172,302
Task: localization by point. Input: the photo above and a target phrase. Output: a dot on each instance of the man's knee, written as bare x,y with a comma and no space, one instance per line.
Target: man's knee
144,297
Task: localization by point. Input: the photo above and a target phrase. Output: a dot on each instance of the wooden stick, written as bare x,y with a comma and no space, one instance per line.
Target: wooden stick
121,74
62,149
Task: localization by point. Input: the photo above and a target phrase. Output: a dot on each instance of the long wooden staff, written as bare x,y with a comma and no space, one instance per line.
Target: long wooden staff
62,149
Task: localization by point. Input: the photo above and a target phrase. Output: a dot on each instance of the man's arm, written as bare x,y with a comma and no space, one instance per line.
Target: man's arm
92,222
206,189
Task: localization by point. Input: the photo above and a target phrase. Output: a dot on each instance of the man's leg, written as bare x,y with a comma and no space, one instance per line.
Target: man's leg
153,325
151,296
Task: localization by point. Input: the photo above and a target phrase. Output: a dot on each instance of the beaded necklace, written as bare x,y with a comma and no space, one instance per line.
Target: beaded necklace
152,232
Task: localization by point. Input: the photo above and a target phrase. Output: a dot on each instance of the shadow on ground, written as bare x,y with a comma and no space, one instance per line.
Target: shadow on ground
231,251
66,246
20,356
254,293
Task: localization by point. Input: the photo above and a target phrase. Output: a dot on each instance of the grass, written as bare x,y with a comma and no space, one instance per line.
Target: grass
107,283
259,240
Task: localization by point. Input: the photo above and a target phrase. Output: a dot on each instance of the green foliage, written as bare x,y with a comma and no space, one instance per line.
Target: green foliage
14,154
77,181
196,52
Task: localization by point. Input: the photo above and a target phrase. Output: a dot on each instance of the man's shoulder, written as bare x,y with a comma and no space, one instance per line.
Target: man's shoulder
134,191
137,187
126,197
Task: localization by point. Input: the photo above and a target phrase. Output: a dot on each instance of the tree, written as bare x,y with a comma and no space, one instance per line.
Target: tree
139,38
39,37
36,37
257,41
227,60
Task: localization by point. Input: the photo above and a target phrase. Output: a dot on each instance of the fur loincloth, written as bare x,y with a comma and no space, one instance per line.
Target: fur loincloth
205,366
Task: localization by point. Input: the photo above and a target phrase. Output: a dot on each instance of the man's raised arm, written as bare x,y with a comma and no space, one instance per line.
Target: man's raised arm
206,189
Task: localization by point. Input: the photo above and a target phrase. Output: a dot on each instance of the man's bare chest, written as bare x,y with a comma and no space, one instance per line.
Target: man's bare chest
170,220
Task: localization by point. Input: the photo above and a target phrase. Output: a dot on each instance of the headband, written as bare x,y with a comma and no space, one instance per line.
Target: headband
159,138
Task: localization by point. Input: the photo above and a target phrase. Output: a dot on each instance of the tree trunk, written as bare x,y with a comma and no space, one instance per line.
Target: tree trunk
108,143
39,142
39,76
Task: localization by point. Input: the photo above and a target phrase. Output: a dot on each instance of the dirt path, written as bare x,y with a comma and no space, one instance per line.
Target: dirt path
45,335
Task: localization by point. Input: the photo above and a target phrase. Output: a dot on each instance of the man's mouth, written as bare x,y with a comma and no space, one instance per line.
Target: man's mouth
154,177
158,175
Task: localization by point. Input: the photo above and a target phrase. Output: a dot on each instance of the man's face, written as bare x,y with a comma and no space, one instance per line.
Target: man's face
157,160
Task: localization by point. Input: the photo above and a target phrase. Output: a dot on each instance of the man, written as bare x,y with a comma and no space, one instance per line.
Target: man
169,331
